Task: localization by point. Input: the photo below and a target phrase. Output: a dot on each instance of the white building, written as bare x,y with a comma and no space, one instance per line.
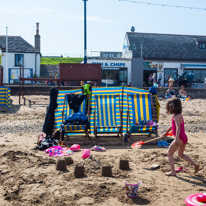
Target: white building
167,55
20,52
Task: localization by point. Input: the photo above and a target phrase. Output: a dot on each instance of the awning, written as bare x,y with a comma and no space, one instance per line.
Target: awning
110,68
150,69
194,66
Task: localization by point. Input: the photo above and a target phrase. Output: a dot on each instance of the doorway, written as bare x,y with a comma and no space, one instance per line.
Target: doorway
146,75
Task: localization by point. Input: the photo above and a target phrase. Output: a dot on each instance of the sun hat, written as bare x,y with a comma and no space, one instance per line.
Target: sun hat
171,79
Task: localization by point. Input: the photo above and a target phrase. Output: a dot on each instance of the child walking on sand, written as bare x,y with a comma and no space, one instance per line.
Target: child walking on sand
174,107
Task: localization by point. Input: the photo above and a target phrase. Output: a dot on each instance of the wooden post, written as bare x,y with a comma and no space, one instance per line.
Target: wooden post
30,103
24,101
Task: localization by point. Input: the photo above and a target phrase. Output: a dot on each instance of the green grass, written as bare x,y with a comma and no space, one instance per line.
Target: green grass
57,60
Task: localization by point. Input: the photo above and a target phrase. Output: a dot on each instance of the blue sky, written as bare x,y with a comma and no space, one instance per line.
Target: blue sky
61,22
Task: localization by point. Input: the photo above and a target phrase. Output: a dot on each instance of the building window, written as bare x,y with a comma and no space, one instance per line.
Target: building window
114,77
199,74
111,55
19,60
202,45
119,55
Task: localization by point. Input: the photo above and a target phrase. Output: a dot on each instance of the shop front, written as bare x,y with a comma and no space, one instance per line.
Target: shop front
114,72
114,76
199,71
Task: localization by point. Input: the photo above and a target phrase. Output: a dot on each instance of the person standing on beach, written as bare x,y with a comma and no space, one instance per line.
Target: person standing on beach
150,80
171,81
154,78
174,107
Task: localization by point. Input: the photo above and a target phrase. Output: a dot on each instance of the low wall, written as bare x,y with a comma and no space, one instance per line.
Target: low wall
197,93
36,88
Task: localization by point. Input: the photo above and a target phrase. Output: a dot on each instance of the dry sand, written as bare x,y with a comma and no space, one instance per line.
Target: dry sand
29,177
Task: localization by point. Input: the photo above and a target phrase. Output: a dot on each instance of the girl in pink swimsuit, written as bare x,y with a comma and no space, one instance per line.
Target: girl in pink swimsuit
182,135
174,106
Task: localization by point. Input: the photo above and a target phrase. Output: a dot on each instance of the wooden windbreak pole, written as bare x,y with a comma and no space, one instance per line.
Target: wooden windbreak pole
1,75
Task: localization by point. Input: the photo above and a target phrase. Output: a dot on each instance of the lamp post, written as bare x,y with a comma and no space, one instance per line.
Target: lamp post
6,69
85,31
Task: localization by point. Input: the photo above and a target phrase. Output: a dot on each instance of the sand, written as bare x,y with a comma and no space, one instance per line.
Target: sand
29,177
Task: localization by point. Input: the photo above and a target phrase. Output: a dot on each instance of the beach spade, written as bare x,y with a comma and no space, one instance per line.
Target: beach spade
140,143
170,134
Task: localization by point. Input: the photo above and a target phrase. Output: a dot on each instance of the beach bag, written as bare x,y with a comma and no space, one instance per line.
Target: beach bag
152,90
40,138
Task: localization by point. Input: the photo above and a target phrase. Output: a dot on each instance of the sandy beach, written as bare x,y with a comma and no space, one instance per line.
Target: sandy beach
29,177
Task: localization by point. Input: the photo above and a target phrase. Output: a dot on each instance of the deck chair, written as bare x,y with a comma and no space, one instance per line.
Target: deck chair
139,109
107,115
155,108
74,129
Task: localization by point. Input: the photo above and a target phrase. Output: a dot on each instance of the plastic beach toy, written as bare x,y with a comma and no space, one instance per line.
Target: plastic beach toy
132,189
98,148
162,143
155,166
196,199
181,169
170,134
86,153
75,147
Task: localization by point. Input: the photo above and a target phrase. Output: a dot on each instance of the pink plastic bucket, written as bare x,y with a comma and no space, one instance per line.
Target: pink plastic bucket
86,153
132,188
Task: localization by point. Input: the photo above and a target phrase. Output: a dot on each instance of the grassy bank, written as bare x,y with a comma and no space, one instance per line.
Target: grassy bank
57,60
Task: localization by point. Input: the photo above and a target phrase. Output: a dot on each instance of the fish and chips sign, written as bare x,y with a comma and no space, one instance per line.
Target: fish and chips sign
111,65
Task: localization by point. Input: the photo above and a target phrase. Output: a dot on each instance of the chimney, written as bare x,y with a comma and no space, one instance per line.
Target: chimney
37,38
132,29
